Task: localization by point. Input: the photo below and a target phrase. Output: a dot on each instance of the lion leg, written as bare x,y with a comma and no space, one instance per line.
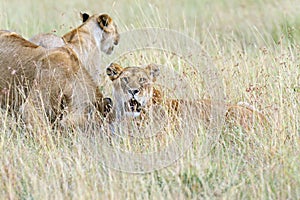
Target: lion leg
81,107
36,111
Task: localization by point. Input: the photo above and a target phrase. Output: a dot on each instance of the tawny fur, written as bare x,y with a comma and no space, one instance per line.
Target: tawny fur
49,78
47,40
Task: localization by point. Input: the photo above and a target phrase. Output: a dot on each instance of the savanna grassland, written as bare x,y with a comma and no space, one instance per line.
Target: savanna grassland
254,45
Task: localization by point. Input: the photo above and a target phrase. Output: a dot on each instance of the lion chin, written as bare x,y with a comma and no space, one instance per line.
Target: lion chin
133,108
133,114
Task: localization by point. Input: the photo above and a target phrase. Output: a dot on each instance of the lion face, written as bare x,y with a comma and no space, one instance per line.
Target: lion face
132,87
109,32
110,37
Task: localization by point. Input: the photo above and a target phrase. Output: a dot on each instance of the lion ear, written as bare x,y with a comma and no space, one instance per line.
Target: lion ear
84,16
113,71
104,21
153,70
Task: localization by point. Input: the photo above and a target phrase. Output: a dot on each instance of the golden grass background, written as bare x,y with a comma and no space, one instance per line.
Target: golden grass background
255,45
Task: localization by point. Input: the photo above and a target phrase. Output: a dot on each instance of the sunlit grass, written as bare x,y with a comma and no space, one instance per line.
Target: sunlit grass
255,46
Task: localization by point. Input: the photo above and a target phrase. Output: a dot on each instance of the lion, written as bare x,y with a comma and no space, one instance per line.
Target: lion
134,93
96,34
49,81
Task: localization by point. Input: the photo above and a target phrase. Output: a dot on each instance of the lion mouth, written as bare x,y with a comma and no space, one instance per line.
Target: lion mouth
133,106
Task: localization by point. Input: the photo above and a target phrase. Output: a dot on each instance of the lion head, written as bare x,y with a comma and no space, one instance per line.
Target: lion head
107,30
132,87
102,27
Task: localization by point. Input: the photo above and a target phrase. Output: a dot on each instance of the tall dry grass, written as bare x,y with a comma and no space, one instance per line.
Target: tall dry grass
255,46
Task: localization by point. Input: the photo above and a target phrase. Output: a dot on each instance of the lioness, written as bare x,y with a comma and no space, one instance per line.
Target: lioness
58,77
134,93
97,33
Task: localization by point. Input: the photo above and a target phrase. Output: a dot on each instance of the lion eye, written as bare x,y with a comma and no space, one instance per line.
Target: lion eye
125,79
142,80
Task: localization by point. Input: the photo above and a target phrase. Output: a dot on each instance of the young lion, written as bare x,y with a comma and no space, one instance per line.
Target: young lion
134,94
97,33
56,78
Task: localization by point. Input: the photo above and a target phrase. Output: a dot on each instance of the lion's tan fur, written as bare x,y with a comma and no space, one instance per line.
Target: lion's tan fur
18,59
56,77
47,40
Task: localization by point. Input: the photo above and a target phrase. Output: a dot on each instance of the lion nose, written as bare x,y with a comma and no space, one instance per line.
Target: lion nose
133,91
